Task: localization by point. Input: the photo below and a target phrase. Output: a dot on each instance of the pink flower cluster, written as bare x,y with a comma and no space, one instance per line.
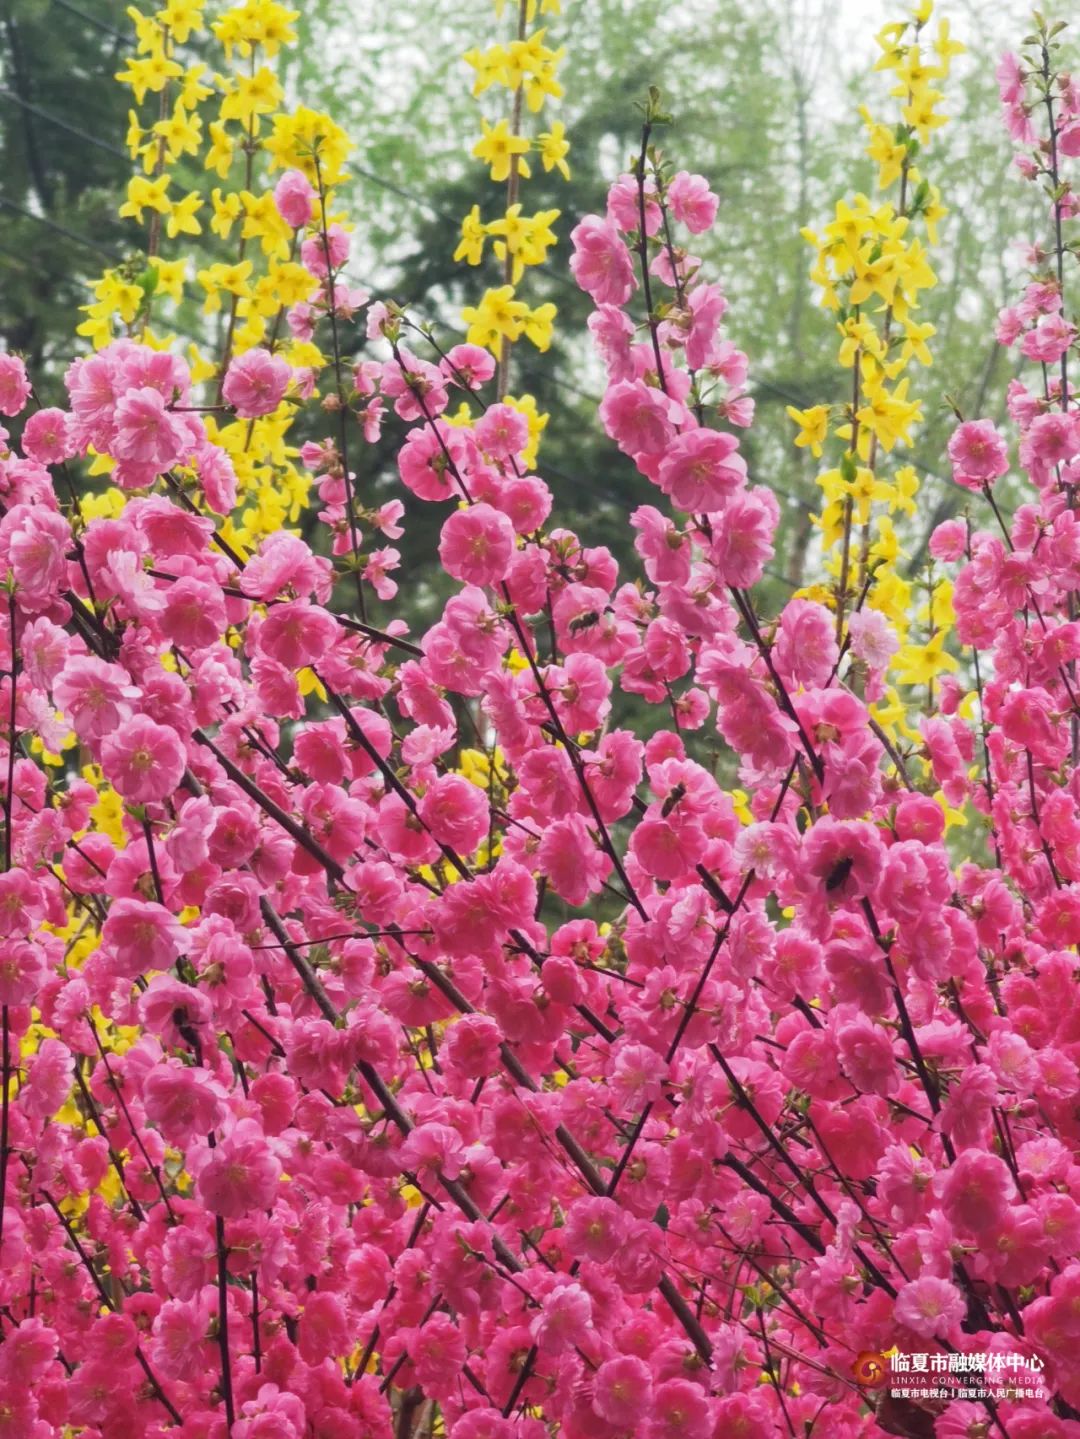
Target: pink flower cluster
560,1092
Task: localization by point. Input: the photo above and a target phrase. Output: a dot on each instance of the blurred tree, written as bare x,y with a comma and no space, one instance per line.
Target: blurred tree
764,109
62,165
765,100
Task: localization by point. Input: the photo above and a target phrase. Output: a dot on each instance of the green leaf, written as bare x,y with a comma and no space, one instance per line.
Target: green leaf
148,280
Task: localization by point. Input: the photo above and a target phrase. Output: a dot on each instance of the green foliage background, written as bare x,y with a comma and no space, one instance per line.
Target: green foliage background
765,99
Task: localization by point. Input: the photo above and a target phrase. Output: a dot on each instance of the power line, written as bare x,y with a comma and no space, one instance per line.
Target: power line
20,260
62,124
447,219
593,400
610,497
798,400
101,25
403,192
527,369
60,230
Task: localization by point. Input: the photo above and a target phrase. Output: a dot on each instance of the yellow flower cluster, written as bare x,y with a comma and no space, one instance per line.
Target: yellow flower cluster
526,68
227,126
871,267
205,146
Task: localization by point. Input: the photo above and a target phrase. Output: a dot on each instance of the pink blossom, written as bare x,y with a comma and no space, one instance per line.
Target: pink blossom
181,1346
866,1054
455,812
692,202
622,1390
476,545
468,365
321,254
601,263
667,850
255,383
526,501
806,645
183,1102
571,861
701,470
217,478
241,1175
324,1328
662,546
434,1151
1010,78
624,204
919,818
680,1410
194,614
46,438
147,434
976,1191
1049,340
22,901
272,1414
872,638
472,1045
140,935
637,417
706,306
1052,439
978,453
844,857
742,539
423,462
949,540
612,331
502,432
297,634
35,542
144,761
594,1228
294,197
48,1080
14,385
564,1318
930,1307
437,1351
22,967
